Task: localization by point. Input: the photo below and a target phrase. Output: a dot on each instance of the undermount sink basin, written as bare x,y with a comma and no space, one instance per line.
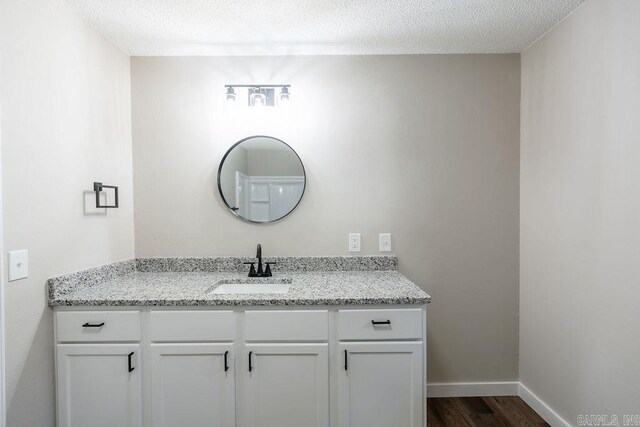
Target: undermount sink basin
252,286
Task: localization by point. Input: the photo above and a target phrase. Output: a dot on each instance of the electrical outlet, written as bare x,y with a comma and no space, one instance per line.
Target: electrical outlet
385,242
354,242
18,265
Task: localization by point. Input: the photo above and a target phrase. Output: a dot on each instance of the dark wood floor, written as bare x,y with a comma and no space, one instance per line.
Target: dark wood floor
481,411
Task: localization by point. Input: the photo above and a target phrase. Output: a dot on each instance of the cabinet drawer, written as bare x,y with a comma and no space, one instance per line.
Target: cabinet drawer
185,326
97,326
399,324
287,325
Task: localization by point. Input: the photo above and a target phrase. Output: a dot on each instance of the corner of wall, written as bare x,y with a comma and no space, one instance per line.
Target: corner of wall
541,407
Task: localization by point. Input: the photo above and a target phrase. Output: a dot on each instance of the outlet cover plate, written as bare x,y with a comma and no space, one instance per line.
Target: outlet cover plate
354,242
385,242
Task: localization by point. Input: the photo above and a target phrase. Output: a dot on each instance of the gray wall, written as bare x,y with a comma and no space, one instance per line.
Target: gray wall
423,147
273,163
66,122
580,213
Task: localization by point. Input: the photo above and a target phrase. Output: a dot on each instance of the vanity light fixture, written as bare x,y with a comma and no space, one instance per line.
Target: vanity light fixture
261,95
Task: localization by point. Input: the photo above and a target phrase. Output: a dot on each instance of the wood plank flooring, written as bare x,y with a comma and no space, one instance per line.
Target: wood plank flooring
503,411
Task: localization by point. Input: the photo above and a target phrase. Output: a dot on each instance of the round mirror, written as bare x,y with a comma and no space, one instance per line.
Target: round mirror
261,179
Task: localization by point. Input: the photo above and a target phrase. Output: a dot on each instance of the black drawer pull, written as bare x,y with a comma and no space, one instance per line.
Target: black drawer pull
381,322
346,366
250,367
226,363
93,325
131,368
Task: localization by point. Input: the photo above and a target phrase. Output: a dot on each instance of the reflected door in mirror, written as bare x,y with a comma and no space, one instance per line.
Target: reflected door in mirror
261,179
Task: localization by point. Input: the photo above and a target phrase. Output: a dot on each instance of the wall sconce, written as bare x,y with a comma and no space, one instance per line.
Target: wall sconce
261,95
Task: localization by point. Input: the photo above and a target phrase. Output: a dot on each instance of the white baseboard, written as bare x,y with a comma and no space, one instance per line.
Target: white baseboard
498,389
472,389
538,405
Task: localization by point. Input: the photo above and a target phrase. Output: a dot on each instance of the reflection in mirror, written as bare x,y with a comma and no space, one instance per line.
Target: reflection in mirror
261,179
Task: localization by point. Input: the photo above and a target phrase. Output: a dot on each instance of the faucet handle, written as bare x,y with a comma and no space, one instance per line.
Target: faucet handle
252,270
267,270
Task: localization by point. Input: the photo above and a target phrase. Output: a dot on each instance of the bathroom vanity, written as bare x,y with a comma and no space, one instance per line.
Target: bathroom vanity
154,342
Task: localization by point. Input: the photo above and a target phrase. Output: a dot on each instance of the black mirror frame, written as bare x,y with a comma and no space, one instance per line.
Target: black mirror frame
235,213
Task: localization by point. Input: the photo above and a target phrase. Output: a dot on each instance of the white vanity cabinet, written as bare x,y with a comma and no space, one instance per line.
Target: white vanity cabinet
382,366
245,367
381,385
286,380
99,385
192,385
288,385
192,373
99,381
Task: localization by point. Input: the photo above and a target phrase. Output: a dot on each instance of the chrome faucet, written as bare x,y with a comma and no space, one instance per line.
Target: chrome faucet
260,272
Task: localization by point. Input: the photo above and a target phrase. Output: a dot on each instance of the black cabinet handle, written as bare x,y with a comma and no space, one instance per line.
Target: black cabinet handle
346,365
131,368
381,322
93,325
250,367
226,363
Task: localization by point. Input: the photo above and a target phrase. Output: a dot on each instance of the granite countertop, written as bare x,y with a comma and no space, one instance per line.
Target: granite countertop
135,283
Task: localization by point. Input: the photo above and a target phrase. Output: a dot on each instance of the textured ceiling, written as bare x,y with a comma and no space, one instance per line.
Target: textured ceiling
308,27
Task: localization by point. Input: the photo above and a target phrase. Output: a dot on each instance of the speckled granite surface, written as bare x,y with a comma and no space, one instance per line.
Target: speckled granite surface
236,264
185,282
62,285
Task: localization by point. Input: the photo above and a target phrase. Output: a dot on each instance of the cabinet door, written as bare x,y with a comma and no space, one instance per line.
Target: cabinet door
380,384
288,385
192,385
99,385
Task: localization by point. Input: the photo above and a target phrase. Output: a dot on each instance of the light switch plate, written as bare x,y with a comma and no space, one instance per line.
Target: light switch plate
18,265
385,242
354,242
